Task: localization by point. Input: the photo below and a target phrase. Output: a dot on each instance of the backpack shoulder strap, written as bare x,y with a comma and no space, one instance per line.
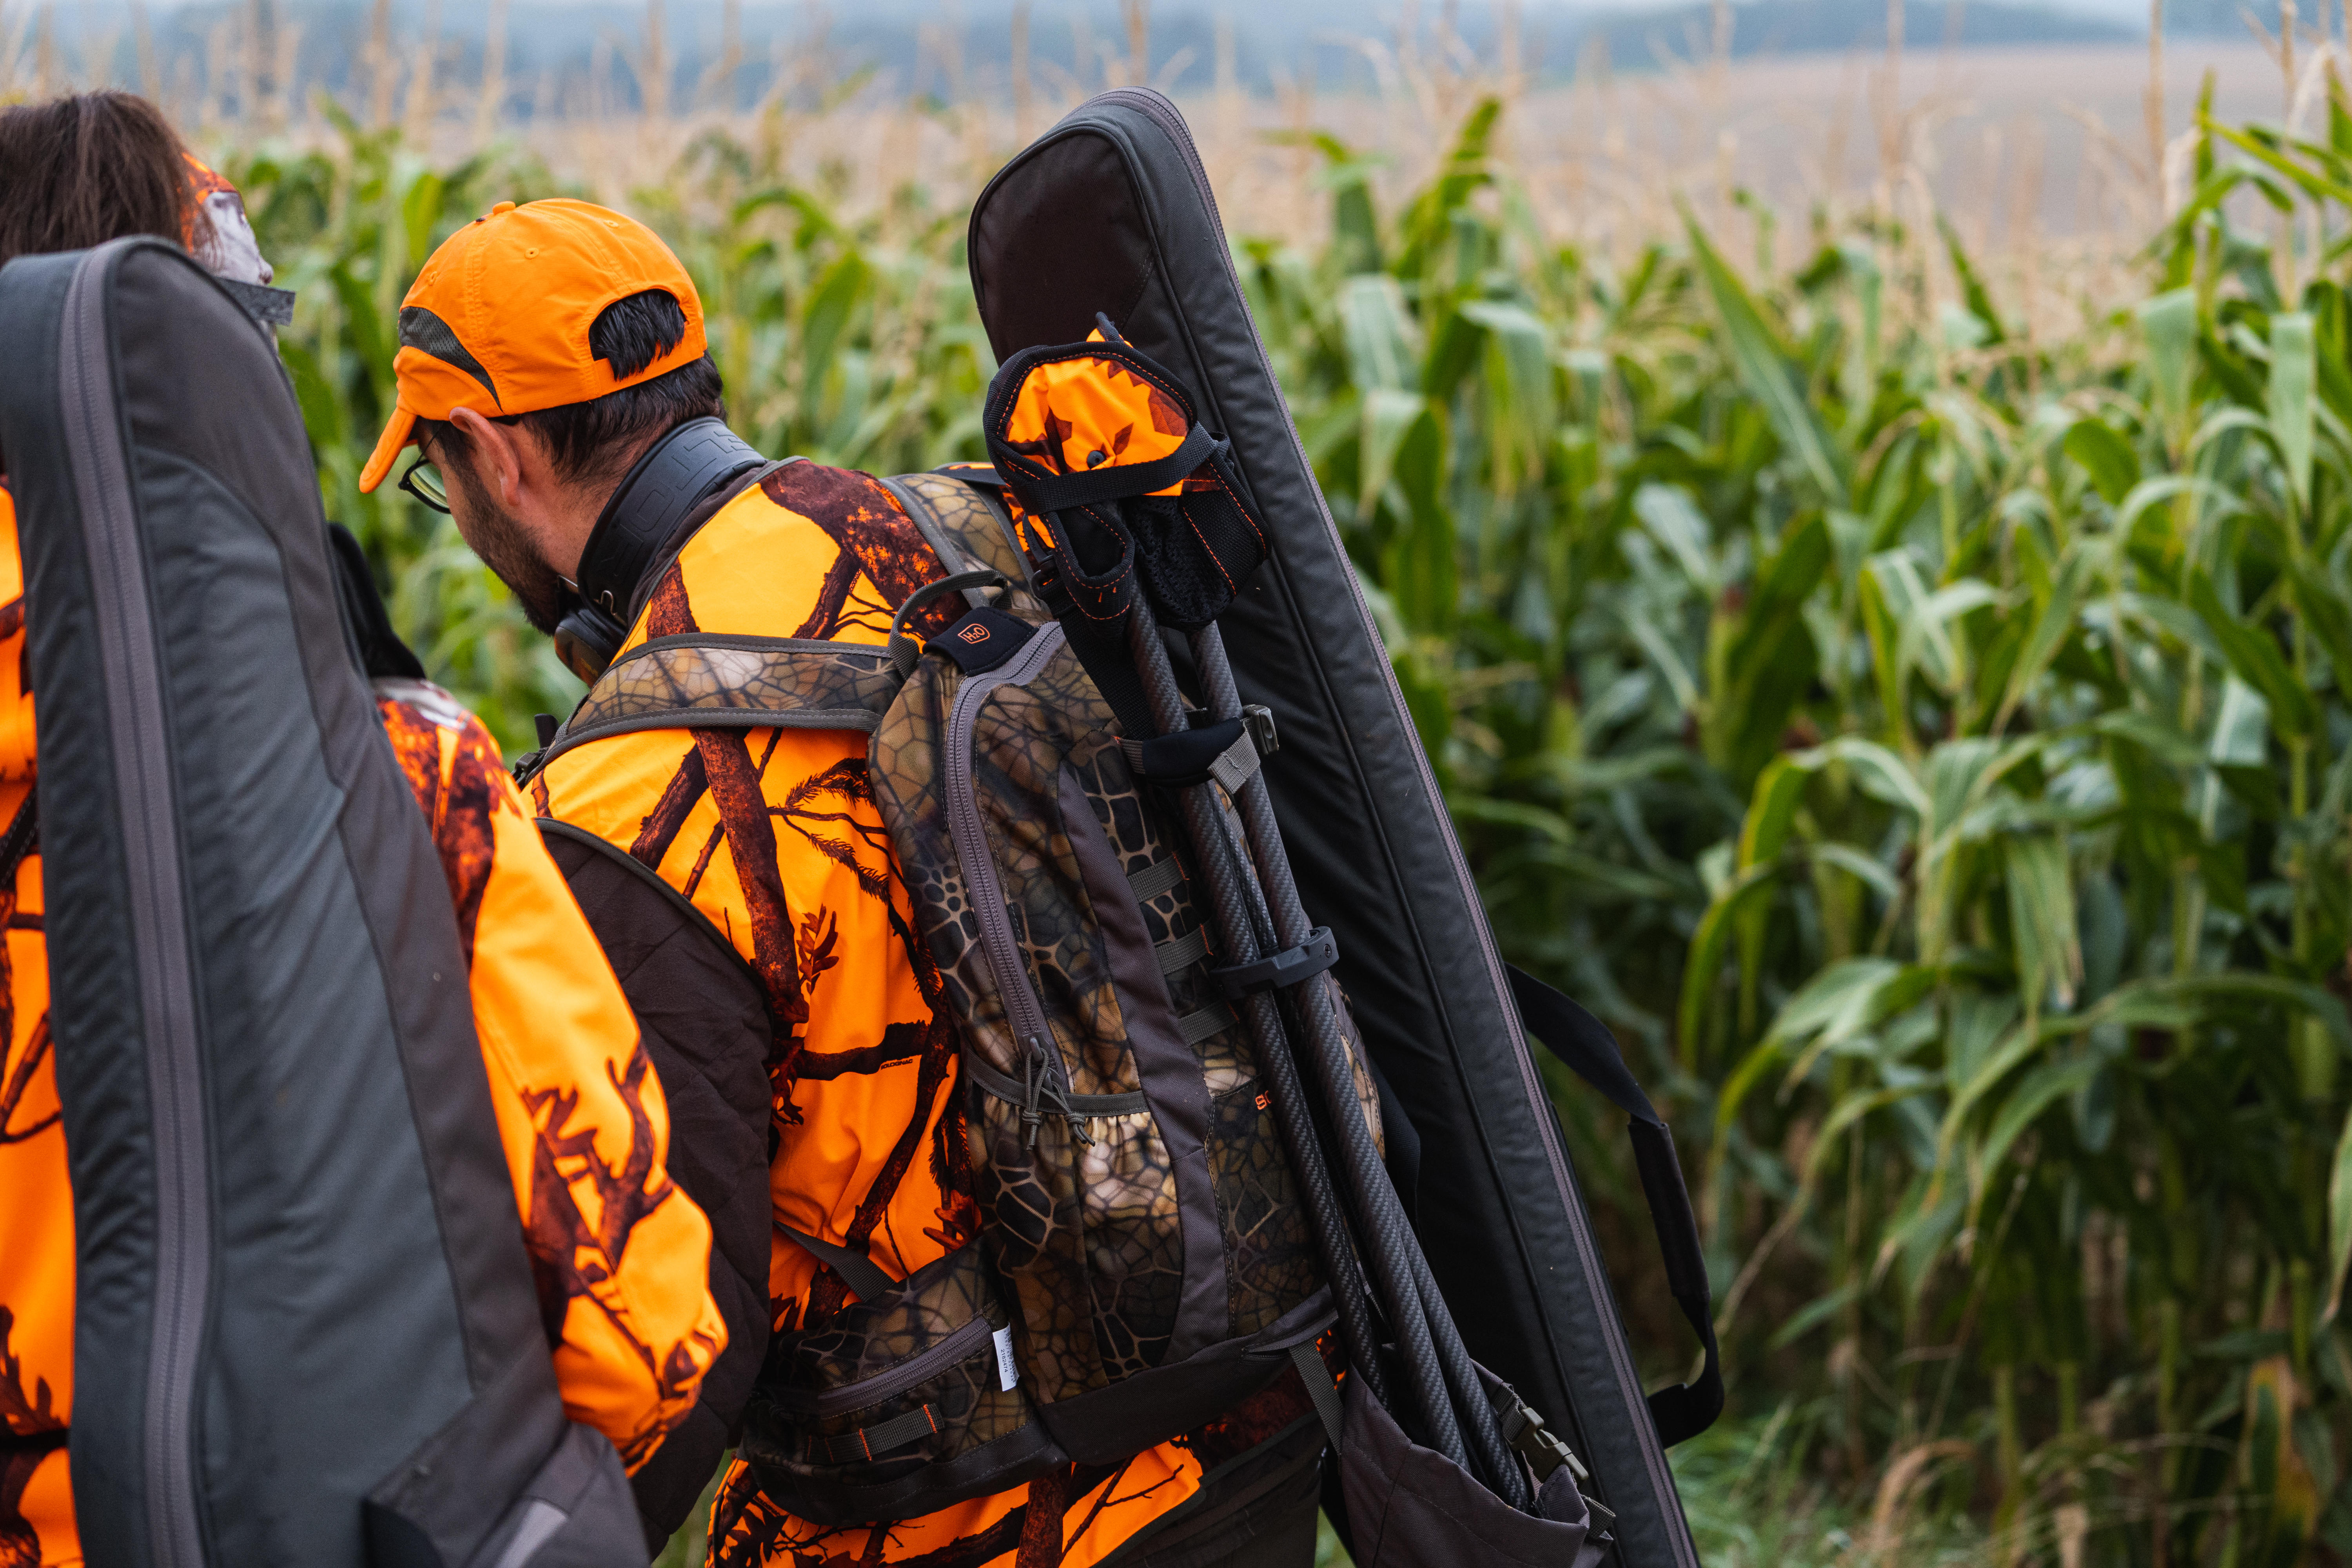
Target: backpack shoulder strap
960,509
718,681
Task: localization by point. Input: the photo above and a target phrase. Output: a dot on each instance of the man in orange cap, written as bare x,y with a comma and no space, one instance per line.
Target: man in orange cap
552,375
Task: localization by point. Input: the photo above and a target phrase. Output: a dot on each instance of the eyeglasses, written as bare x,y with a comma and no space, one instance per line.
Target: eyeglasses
422,480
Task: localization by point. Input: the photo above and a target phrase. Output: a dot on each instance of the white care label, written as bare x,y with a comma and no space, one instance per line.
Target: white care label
1008,1371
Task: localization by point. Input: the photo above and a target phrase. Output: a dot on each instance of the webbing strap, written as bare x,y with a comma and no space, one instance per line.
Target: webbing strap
1154,880
1195,756
1199,1025
1322,1388
1056,492
879,1438
1190,948
861,1273
1012,1091
1585,1044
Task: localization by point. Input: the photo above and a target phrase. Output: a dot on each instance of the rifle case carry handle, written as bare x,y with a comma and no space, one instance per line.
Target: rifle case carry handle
1585,1044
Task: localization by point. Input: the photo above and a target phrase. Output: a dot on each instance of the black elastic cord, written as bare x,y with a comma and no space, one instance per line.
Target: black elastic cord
905,650
1058,492
1590,1051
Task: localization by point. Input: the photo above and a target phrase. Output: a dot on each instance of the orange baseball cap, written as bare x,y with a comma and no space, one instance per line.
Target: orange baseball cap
498,321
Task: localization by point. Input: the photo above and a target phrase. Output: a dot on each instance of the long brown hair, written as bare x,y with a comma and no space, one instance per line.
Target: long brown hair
82,170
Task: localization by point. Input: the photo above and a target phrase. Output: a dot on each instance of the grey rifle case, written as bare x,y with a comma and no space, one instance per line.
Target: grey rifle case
1110,211
306,1334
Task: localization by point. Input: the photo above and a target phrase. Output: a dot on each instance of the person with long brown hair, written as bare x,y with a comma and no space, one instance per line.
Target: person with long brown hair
619,1252
76,172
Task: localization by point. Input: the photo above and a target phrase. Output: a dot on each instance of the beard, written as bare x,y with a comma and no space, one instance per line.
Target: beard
497,536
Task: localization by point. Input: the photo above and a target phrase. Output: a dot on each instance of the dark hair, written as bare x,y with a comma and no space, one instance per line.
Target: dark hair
78,170
586,441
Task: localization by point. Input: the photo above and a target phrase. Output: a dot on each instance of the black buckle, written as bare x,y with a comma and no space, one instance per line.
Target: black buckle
1259,719
1318,953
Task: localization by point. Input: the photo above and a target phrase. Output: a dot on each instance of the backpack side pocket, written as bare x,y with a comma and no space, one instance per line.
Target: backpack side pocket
898,1405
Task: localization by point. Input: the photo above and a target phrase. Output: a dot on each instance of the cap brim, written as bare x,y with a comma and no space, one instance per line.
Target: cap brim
395,436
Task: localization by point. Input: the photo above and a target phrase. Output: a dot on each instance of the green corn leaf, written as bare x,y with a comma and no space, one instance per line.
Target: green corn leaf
827,322
1882,627
2043,926
2105,456
2327,615
2168,324
1381,353
1860,866
1704,964
1765,369
1387,419
2051,627
2255,654
1519,390
2012,1046
2292,376
1842,1002
420,209
1878,771
2242,728
1740,1082
2041,1088
1973,292
2339,1221
1770,660
1427,567
1779,789
2311,182
1672,518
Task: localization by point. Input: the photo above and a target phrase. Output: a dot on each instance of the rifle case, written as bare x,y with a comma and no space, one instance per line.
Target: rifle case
1110,211
305,1327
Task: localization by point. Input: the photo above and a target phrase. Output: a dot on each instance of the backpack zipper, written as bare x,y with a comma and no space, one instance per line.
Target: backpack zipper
122,619
1045,1076
961,1343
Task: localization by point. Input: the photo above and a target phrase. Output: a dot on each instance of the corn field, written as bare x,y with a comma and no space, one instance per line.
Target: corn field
1912,706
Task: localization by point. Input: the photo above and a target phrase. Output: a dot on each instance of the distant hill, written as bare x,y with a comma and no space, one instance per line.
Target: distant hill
1270,41
1639,38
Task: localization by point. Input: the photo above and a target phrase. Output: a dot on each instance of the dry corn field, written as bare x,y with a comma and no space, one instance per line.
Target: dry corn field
1868,542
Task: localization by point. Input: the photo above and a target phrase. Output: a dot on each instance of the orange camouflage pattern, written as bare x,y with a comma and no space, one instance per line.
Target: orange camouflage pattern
620,1255
775,836
1075,414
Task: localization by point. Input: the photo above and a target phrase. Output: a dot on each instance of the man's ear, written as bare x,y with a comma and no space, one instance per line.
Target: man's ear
500,460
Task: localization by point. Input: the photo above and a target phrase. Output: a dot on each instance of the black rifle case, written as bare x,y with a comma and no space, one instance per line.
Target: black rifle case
1110,211
306,1334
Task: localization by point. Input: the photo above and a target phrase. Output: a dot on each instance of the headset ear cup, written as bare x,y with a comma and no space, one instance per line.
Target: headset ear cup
586,639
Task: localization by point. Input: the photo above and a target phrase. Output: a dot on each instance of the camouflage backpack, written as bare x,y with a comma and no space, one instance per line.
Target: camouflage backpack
1144,1263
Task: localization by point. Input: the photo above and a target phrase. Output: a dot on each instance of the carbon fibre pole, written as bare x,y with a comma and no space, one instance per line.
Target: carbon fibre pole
1386,1237
1379,1208
1325,1216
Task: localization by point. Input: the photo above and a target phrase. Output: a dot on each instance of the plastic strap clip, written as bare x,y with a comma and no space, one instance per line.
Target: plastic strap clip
1318,953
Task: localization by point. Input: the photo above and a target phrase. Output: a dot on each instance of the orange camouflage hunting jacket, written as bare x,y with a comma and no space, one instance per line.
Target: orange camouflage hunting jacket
619,1254
774,834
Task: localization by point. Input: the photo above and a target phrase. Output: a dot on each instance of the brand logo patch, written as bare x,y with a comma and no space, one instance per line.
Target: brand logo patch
975,634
